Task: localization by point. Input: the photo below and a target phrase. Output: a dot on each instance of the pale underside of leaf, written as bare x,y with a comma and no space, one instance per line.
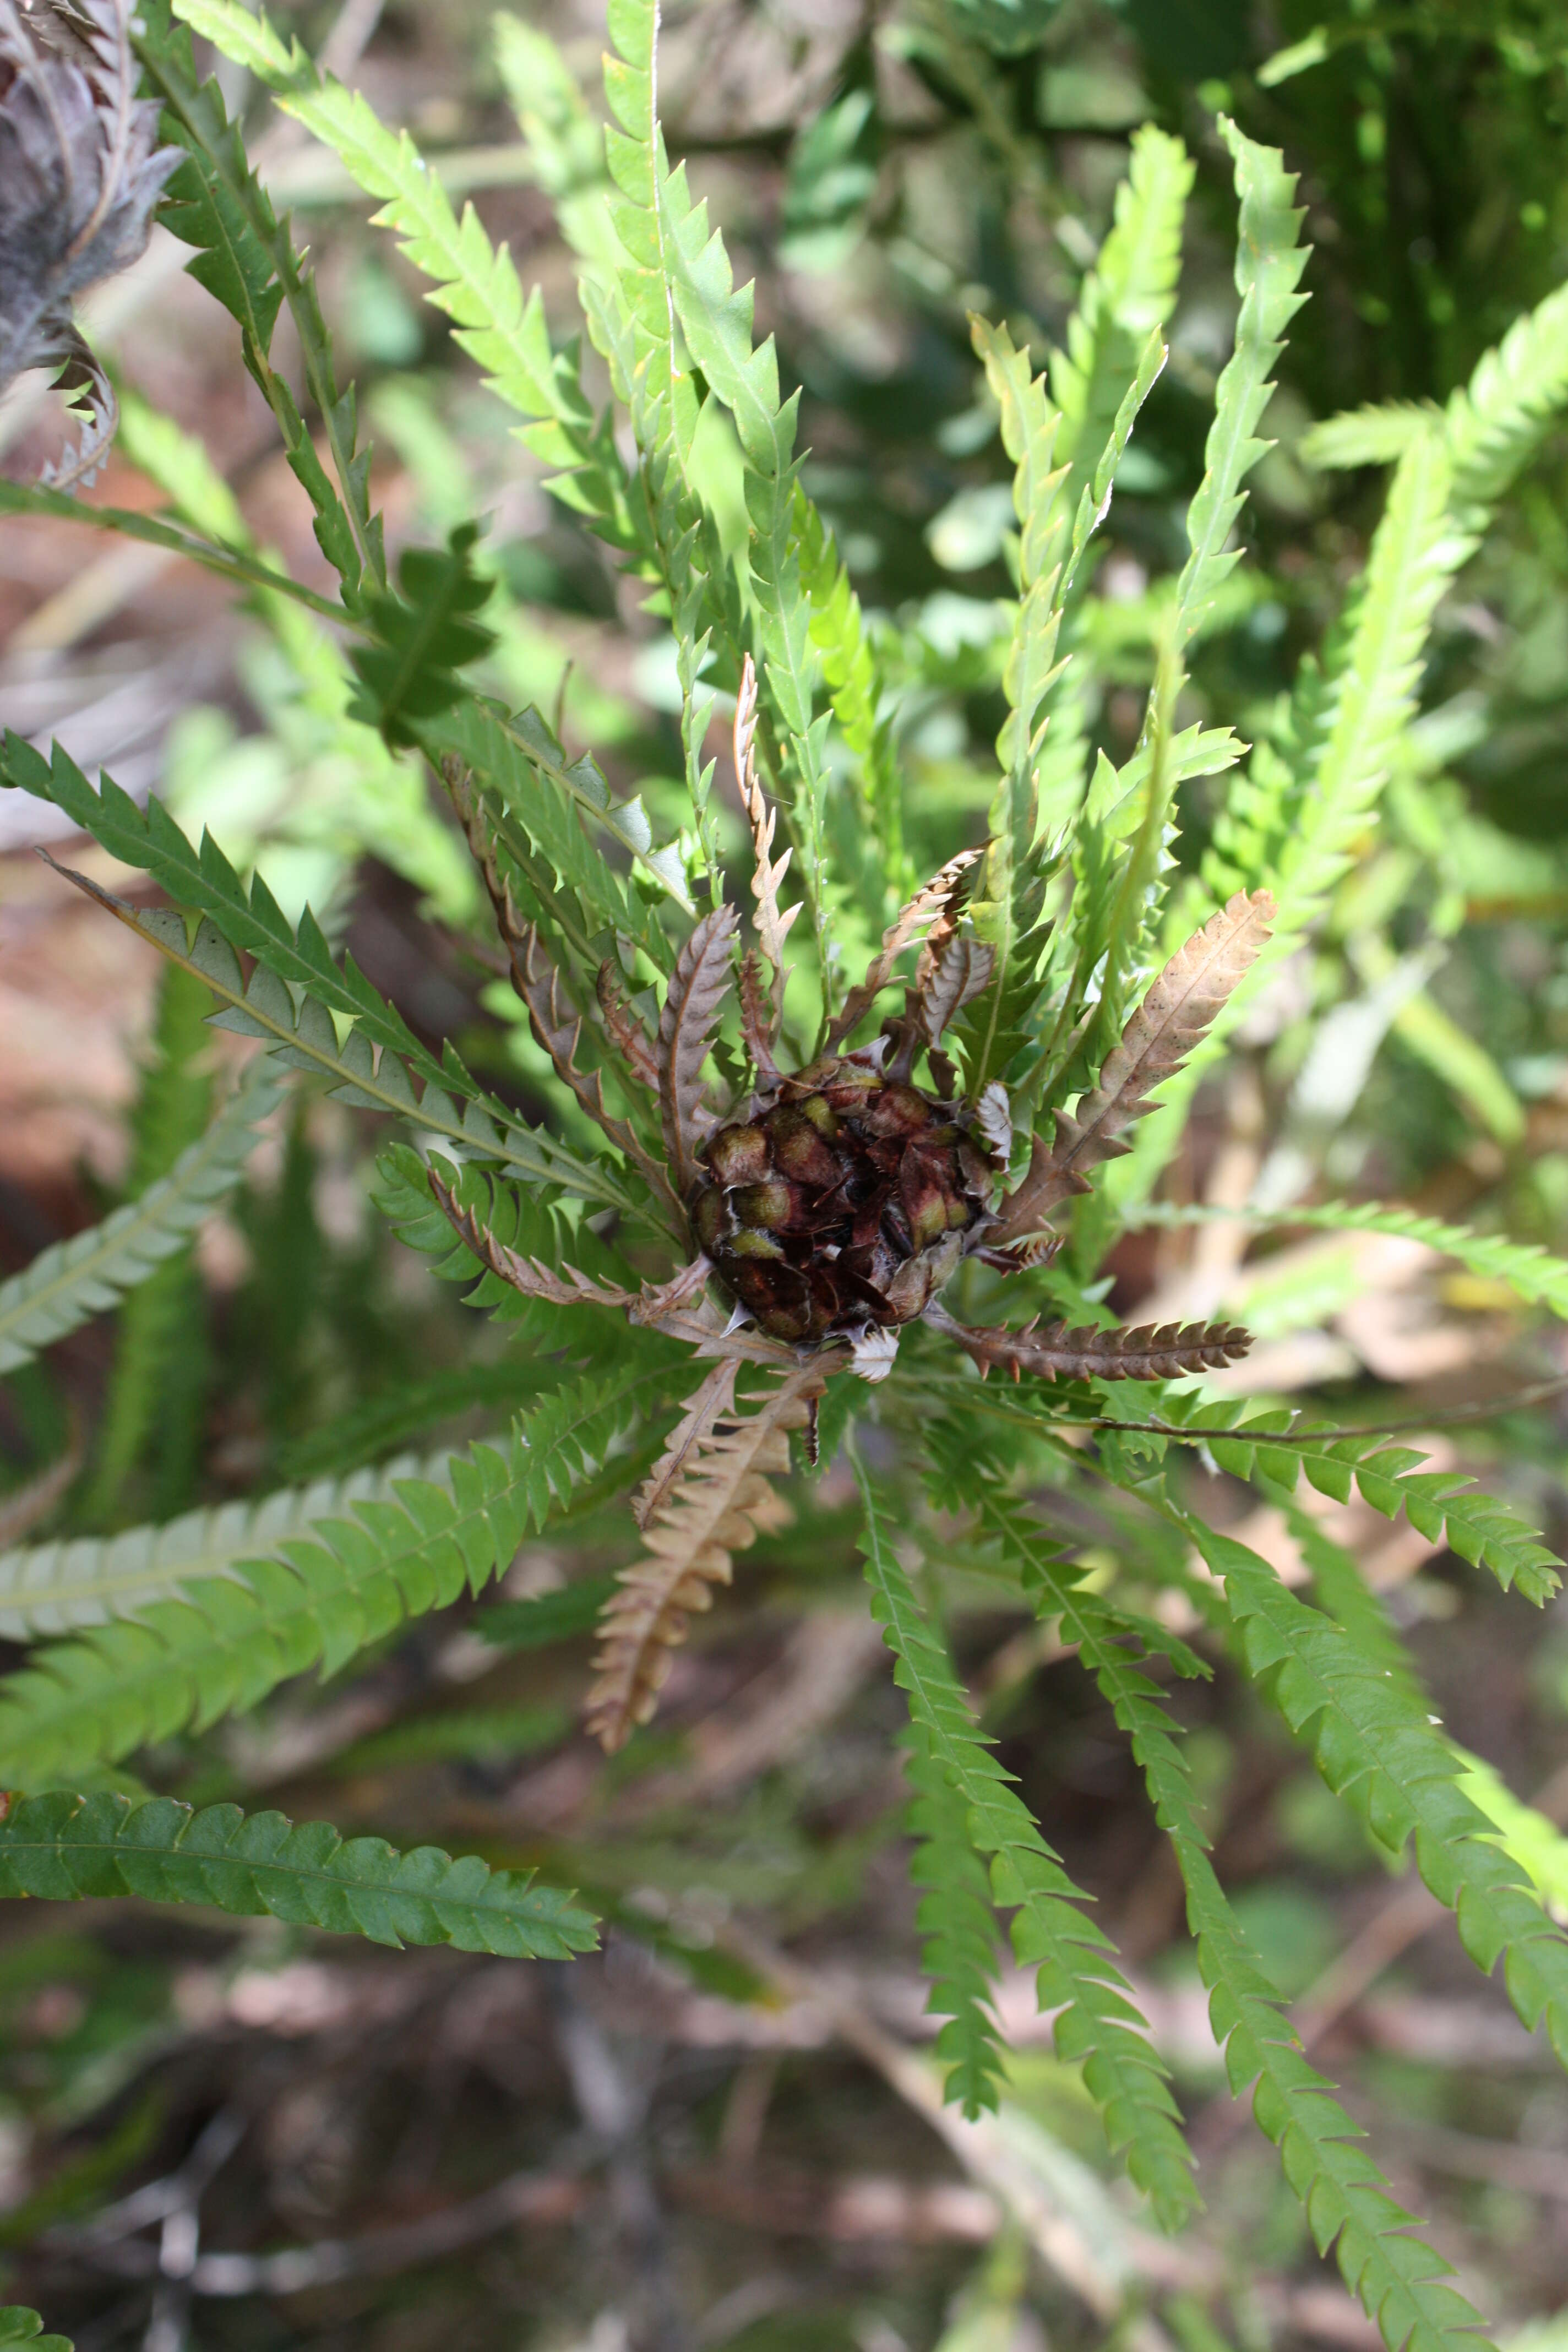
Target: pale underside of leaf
686,1026
958,974
77,1278
55,1587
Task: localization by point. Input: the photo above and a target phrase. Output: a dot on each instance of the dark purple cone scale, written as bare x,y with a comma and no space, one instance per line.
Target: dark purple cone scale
843,1203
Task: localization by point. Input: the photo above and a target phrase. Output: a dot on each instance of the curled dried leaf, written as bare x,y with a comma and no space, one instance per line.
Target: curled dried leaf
80,175
657,1301
713,1508
873,1350
993,1121
713,1401
756,1021
1173,1018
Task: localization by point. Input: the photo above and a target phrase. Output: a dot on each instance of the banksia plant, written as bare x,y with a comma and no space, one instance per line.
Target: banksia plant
822,1145
829,1206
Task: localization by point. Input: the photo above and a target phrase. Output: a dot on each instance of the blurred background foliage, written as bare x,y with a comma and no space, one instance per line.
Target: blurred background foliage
700,2142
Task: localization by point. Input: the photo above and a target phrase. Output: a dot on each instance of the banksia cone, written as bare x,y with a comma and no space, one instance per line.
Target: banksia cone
842,1203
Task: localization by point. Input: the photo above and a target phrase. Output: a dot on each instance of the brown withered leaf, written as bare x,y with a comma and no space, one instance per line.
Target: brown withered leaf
1053,1352
960,971
938,902
558,1027
624,1029
756,1020
713,1509
565,1287
691,1002
1171,1020
554,1018
773,926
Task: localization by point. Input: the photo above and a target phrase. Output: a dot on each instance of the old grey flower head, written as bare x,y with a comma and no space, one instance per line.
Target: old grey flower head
80,174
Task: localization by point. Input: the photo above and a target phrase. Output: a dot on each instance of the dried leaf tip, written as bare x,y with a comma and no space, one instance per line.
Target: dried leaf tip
957,973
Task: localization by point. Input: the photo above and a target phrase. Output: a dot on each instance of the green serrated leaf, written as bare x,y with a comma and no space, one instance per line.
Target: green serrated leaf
261,1866
320,1598
78,1278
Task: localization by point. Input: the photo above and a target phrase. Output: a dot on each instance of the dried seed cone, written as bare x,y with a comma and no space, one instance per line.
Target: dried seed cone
842,1203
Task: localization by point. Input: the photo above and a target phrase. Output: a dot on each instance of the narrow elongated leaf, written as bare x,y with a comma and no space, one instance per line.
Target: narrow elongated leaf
1399,2279
1377,1747
767,871
61,1847
303,1035
1293,827
78,1278
1268,265
246,258
1130,291
1147,1352
154,530
472,280
1532,1272
54,1588
1492,425
1077,1976
1443,1505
